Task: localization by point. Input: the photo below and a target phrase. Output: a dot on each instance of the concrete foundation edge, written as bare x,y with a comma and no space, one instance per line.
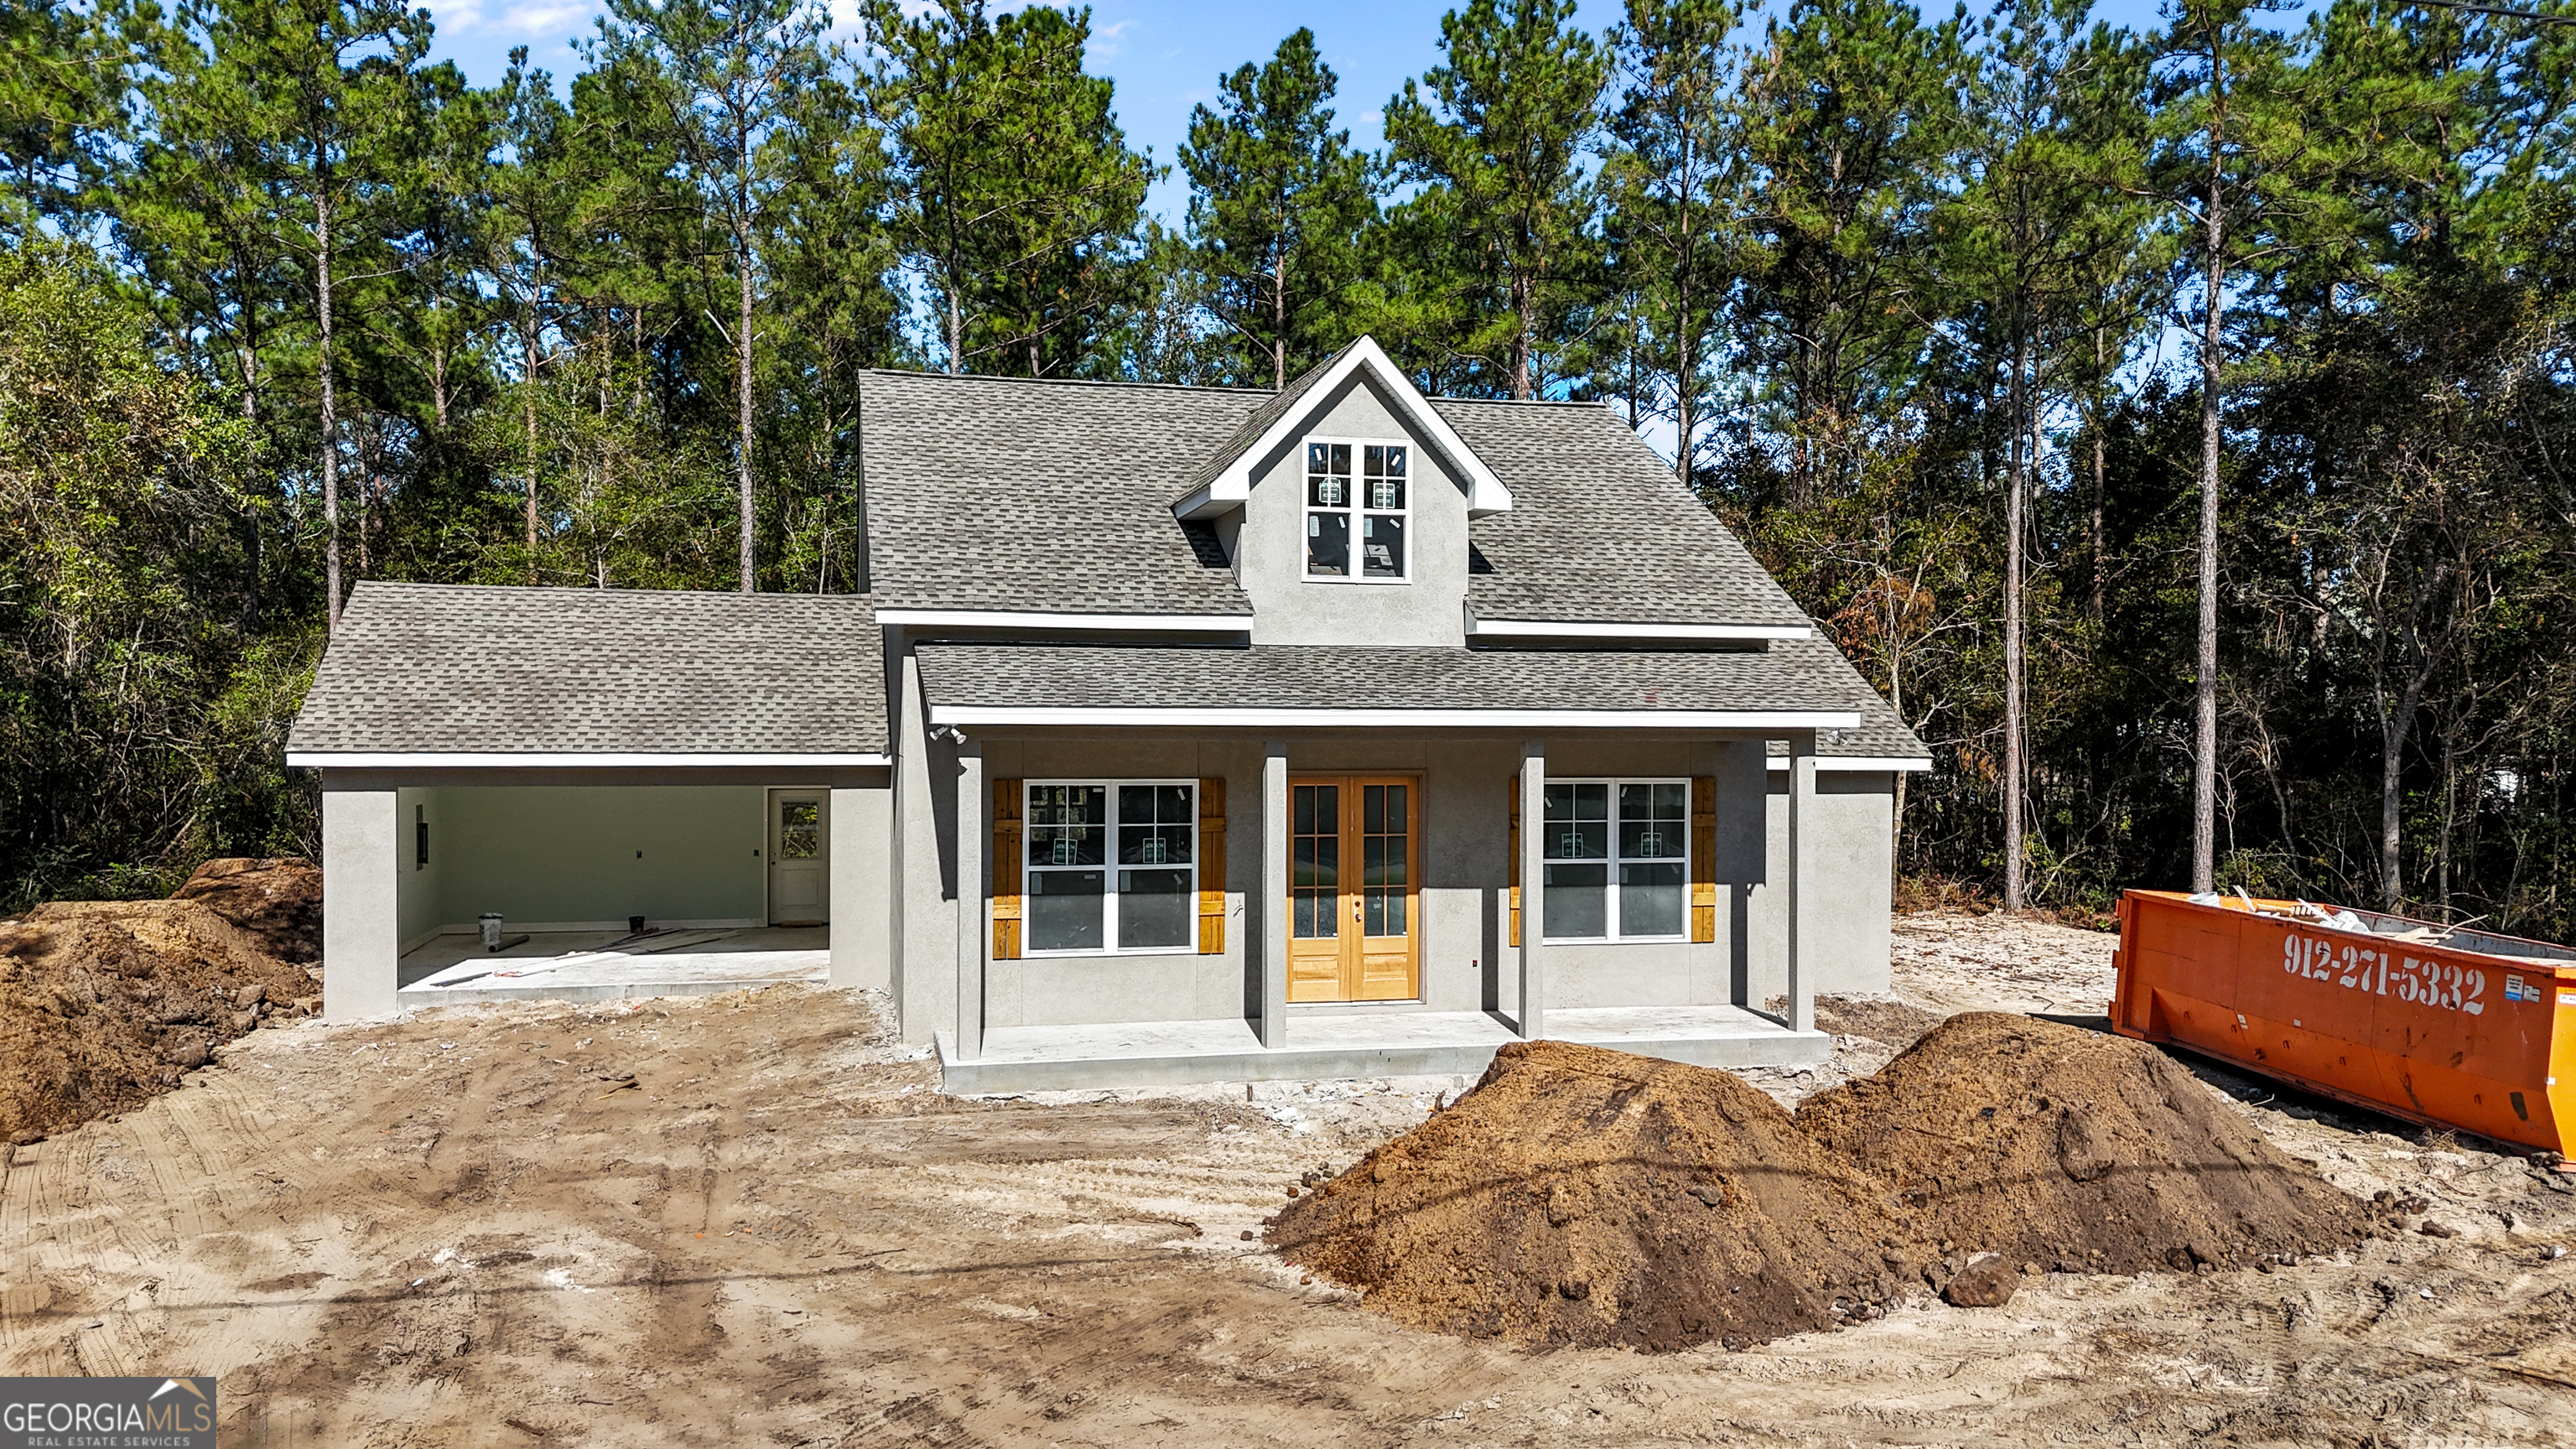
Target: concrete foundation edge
1783,1049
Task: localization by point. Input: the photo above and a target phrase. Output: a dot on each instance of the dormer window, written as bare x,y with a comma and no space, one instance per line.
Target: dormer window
1369,503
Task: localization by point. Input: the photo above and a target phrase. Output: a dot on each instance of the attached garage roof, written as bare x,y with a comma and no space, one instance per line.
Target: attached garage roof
1289,685
469,671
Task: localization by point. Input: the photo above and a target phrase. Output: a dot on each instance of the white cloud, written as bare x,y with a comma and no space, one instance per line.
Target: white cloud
549,18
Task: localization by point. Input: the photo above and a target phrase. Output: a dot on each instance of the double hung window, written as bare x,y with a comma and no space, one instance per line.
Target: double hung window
1112,866
1356,493
1617,859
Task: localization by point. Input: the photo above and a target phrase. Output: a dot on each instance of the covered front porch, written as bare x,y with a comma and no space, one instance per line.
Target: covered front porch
1510,924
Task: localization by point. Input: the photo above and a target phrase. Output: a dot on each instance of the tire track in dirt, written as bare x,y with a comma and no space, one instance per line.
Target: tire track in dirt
884,1266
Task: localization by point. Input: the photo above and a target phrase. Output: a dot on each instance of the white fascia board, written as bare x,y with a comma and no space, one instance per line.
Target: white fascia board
1228,490
1695,719
1086,623
566,759
1582,629
1860,764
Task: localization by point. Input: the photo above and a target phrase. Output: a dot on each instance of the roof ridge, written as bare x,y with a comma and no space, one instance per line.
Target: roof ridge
591,591
1521,402
1102,382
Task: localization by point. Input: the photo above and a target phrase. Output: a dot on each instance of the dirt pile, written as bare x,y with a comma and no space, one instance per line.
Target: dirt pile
1586,1196
104,1004
2074,1150
277,902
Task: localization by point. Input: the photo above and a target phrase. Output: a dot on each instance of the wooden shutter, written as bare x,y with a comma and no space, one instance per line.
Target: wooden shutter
1211,865
1515,849
1703,845
1009,799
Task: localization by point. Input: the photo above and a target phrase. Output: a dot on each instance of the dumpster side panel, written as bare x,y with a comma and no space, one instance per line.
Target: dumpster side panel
2448,1037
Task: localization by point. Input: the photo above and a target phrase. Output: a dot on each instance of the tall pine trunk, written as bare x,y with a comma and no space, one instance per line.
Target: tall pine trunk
2204,758
1685,334
528,420
2015,484
742,374
2101,570
1525,308
1279,322
330,396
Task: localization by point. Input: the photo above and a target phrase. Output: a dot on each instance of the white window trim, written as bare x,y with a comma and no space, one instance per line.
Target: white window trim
1611,861
1109,857
1357,512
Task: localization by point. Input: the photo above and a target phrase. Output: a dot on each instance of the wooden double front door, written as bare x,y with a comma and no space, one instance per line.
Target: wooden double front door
1354,919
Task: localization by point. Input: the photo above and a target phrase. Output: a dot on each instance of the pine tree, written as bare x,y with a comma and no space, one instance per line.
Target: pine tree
1278,202
1506,128
2222,72
729,74
2052,176
303,106
1015,194
1670,180
1851,117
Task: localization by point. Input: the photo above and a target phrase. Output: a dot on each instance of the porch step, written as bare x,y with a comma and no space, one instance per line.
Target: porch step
1358,1044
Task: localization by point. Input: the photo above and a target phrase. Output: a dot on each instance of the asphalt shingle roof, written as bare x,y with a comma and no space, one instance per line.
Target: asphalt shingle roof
1258,421
1049,497
1055,497
1077,676
451,668
1881,734
1599,529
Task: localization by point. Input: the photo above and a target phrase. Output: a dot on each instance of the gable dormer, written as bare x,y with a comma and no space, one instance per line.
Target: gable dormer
1343,503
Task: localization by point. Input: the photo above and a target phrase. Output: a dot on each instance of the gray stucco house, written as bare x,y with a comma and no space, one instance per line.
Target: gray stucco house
1181,734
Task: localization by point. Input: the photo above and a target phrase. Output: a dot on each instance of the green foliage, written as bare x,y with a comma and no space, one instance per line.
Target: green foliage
1015,194
1502,128
1278,202
127,743
1897,291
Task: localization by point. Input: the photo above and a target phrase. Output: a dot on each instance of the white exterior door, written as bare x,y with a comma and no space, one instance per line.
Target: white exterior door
800,869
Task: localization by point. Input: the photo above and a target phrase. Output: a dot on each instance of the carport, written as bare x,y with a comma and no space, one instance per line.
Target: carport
644,784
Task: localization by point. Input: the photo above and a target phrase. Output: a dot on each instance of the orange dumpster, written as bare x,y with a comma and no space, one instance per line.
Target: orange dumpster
2437,1024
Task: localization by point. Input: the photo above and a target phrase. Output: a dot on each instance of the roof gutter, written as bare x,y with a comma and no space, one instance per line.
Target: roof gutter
1260,717
1081,623
1588,629
568,759
1856,764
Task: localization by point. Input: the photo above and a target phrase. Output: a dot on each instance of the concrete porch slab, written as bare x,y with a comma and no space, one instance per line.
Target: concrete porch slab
1352,1044
573,966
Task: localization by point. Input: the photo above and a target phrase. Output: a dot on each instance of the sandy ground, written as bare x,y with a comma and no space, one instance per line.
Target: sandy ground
747,1219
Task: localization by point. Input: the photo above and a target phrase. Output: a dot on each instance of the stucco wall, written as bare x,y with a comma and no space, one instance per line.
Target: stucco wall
1270,548
1854,848
420,904
1464,825
862,850
570,856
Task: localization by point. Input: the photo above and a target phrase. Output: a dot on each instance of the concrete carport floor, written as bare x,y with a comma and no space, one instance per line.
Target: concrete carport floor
600,965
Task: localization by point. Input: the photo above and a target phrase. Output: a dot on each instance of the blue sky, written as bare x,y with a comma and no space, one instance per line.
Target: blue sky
1165,55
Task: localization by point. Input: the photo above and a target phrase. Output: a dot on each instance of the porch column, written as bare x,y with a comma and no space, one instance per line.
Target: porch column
1271,946
1802,832
361,930
973,939
1533,1012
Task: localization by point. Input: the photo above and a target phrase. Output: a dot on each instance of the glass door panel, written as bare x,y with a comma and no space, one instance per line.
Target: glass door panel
1352,930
